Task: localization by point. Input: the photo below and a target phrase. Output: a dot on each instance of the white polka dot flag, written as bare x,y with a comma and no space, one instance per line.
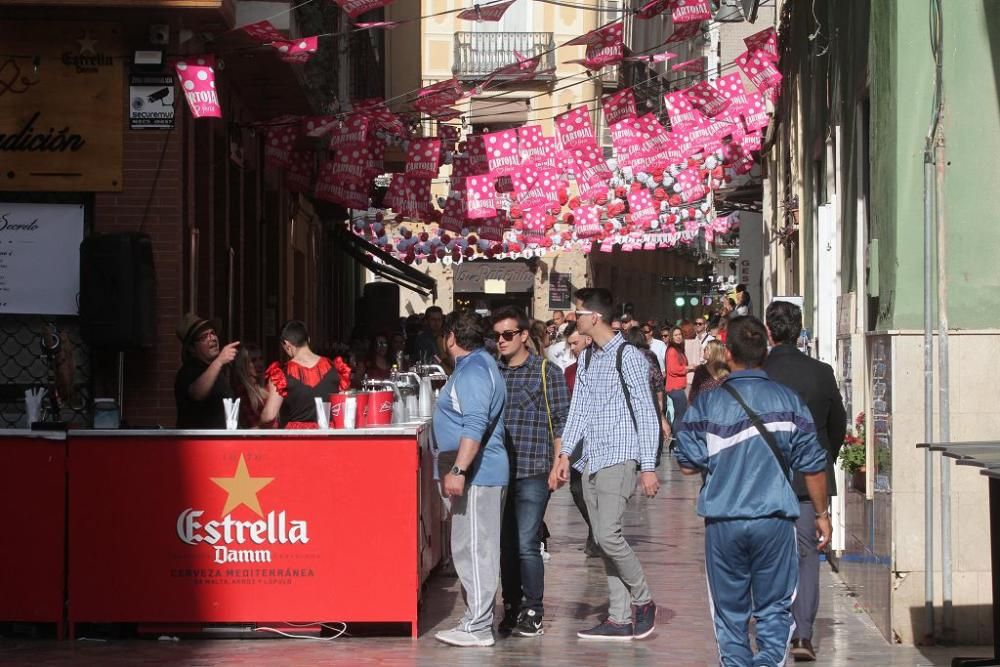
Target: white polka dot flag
688,11
279,145
475,148
731,86
759,68
319,126
375,162
592,172
448,135
356,8
453,215
752,141
755,116
652,9
348,195
417,197
297,50
197,78
575,129
707,99
350,165
490,13
423,157
694,66
587,221
641,207
535,188
263,32
299,175
501,152
352,132
599,56
618,106
684,32
652,57
605,35
680,111
491,229
693,186
480,197
395,193
627,142
766,40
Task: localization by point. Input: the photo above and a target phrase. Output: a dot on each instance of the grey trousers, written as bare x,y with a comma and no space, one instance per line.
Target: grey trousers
475,552
607,492
806,602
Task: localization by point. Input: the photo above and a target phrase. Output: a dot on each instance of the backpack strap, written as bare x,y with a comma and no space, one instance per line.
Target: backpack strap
759,425
545,394
625,391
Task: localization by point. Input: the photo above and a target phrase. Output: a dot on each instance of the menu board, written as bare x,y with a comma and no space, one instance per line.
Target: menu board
40,258
559,290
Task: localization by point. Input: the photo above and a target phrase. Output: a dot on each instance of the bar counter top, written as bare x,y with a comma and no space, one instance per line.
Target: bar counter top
395,430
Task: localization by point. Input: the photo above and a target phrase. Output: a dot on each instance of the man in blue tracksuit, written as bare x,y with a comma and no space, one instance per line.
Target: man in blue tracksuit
747,500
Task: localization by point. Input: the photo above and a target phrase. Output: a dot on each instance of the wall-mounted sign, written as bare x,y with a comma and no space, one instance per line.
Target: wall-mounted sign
472,276
559,290
60,113
40,258
151,102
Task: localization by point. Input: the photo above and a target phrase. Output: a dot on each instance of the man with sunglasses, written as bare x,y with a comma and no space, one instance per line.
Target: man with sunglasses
656,346
202,380
613,416
533,420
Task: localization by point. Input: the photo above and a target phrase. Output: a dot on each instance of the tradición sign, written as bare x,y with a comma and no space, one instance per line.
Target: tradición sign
60,106
151,102
40,258
472,276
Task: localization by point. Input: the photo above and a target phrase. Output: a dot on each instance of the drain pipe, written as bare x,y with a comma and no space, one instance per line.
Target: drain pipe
930,192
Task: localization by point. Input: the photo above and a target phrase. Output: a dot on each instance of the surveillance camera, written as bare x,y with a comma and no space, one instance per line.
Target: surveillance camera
159,34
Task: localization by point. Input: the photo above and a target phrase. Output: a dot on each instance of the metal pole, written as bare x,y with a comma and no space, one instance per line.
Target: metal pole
944,400
928,402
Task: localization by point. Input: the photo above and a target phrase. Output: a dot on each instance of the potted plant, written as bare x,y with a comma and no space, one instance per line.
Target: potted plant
853,455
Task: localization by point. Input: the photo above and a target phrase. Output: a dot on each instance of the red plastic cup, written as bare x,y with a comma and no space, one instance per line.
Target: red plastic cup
338,405
380,408
362,418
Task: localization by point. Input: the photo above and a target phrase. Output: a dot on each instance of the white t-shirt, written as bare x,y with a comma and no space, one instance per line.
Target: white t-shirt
560,354
659,348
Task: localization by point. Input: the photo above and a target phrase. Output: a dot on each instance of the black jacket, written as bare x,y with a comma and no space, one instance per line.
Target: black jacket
816,384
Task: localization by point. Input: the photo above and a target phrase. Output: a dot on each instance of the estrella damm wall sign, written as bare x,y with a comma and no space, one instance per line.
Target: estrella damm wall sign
61,108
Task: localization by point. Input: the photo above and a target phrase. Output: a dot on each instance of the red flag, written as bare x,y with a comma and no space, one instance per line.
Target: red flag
691,11
453,214
197,77
766,40
263,32
707,99
652,57
388,25
490,13
619,106
592,171
652,9
693,186
318,126
731,86
352,132
279,144
356,8
535,188
299,175
423,157
475,147
642,208
448,135
349,165
755,116
298,50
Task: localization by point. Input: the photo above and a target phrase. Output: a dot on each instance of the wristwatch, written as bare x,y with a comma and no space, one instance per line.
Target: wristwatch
825,514
455,470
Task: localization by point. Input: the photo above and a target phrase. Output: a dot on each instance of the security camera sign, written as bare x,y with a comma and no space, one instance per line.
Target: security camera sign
151,102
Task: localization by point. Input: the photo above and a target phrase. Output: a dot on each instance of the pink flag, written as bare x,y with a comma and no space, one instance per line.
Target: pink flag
388,25
681,112
490,13
707,99
475,147
318,126
619,106
356,8
263,32
352,132
374,159
279,144
298,50
691,11
752,141
574,128
453,214
395,193
652,57
587,222
534,227
534,188
448,135
417,197
684,32
349,165
197,77
481,196
652,9
298,176
330,188
693,186
605,35
491,229
602,55
755,116
501,152
642,208
759,69
423,157
766,40
592,171
696,65
731,86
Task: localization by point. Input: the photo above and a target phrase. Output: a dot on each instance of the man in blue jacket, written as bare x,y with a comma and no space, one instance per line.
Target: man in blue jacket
469,436
745,437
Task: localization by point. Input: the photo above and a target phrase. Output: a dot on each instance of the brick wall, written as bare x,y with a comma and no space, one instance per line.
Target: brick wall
154,204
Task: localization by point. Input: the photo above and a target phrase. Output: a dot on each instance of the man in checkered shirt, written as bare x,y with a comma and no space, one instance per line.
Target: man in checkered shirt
613,415
533,420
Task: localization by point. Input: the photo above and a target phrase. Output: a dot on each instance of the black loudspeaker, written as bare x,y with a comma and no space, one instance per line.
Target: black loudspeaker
117,291
381,307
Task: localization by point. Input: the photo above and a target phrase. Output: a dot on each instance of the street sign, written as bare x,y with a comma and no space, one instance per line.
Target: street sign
151,102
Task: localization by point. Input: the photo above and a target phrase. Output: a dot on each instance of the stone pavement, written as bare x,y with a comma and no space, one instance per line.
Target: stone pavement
665,532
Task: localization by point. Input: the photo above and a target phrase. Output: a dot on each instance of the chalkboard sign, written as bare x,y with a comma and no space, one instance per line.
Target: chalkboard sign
560,290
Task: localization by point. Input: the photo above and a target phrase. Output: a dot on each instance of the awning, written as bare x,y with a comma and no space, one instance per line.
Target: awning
382,263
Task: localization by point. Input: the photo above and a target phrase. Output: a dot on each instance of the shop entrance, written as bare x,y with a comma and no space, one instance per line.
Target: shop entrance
485,286
484,303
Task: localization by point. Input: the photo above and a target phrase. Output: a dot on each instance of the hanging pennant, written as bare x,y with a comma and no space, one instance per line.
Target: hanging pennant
352,132
299,175
423,157
491,13
652,57
691,11
387,25
329,188
263,32
732,88
592,171
618,106
752,141
605,35
692,185
279,144
599,56
766,41
587,222
395,193
417,197
644,212
449,136
349,165
298,50
759,69
652,9
695,66
755,117
535,188
575,129
197,78
480,194
374,163
356,8
453,215
680,111
491,229
684,32
501,152
475,148
318,126
707,99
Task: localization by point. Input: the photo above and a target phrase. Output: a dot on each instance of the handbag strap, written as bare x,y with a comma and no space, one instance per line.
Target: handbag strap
545,393
759,425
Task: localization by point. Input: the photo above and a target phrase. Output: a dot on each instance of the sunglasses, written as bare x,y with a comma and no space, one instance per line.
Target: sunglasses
507,335
699,324
584,312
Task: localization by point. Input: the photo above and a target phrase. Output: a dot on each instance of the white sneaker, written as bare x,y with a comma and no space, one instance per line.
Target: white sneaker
462,638
546,556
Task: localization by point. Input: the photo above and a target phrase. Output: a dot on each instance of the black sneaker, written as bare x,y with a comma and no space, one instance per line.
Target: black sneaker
529,624
645,619
509,621
609,631
803,651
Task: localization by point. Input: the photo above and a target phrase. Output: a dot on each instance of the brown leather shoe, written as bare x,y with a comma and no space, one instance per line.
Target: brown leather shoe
803,651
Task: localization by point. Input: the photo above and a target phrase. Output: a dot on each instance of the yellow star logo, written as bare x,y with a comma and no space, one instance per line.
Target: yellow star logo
87,44
242,488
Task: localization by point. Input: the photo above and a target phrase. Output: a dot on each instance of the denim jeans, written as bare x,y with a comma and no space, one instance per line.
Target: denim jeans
522,573
679,399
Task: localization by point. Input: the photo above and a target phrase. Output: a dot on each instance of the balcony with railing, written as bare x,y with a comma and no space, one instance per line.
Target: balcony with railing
477,54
